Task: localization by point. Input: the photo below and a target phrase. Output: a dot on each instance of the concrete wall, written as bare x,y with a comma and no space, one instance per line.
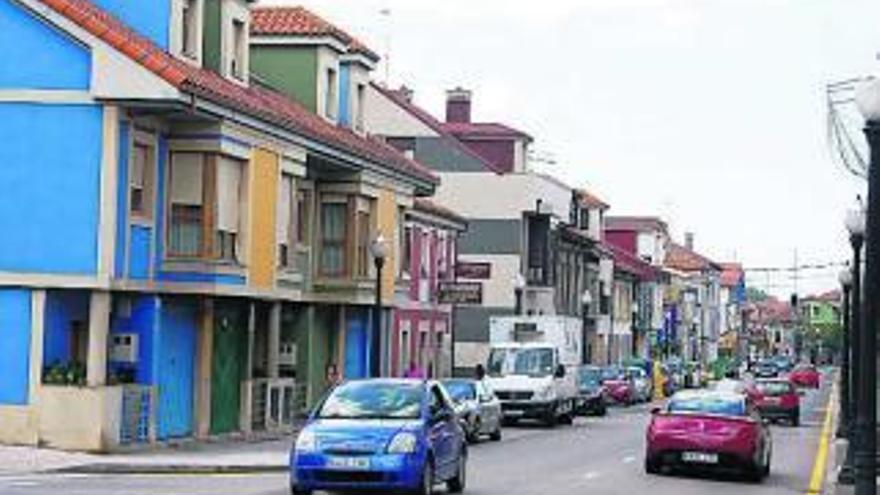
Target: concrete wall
73,418
511,195
387,118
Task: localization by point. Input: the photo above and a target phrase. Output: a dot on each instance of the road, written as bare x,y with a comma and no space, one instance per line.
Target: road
595,455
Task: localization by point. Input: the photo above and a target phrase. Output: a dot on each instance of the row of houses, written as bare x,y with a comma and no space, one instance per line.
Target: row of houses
214,213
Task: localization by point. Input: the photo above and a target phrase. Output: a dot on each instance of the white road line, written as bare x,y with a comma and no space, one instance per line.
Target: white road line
629,459
591,475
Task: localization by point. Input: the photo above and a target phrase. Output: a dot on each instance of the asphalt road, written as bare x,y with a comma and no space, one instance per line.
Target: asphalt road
596,455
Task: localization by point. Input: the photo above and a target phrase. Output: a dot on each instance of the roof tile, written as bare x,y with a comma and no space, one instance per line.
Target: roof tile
299,21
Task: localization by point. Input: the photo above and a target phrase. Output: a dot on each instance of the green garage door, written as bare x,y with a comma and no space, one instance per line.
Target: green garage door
230,348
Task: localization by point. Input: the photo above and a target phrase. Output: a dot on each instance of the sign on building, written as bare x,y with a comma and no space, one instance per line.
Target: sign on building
473,271
460,293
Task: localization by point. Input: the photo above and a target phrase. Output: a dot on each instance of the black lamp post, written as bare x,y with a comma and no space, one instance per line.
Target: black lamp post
379,252
865,434
586,346
845,402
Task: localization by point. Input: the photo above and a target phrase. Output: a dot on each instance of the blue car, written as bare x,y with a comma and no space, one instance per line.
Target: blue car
381,435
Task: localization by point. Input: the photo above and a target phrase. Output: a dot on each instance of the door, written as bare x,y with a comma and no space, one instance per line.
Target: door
444,434
176,362
356,349
227,367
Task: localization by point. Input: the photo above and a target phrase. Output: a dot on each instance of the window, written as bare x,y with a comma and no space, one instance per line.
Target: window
333,238
186,197
283,218
330,103
406,251
404,351
303,214
188,28
239,46
585,219
363,244
229,193
425,254
141,180
359,110
442,262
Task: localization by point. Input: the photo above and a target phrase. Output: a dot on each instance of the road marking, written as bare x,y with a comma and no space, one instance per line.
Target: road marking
818,476
629,459
591,475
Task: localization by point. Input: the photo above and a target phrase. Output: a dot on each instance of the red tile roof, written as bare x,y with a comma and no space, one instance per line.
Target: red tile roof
681,258
637,224
626,262
483,130
403,101
299,21
731,274
590,200
263,103
428,206
830,296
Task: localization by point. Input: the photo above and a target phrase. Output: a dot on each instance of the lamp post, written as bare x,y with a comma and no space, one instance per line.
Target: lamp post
635,329
865,461
586,346
519,285
845,402
379,252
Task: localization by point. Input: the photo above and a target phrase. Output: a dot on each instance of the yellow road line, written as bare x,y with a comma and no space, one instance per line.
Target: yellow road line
818,476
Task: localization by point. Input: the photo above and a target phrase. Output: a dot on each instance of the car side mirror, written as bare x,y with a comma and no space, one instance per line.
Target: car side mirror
560,371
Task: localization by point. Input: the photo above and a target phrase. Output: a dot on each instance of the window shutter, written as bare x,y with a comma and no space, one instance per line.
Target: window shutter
285,205
228,197
186,178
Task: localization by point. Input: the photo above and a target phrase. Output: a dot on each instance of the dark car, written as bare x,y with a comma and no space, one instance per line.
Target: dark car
592,395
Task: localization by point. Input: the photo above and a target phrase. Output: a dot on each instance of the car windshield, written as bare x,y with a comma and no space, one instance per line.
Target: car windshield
611,373
461,390
774,388
708,405
635,372
804,368
372,400
526,361
589,377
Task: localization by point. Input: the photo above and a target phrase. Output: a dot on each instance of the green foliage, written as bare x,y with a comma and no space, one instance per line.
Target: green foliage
754,295
70,373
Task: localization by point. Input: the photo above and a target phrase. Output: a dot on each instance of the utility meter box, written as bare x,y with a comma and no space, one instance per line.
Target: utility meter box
124,348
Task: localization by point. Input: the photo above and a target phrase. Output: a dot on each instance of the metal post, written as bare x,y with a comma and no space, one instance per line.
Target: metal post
865,461
377,318
517,309
845,404
847,474
585,335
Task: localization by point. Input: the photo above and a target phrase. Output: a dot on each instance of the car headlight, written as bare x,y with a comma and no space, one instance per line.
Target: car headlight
545,393
306,442
402,443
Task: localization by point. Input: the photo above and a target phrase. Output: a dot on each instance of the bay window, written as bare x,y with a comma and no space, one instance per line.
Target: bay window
284,217
334,233
364,237
186,204
140,180
229,183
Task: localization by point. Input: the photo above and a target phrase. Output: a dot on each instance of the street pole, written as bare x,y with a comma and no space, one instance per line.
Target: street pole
845,404
847,473
377,310
866,406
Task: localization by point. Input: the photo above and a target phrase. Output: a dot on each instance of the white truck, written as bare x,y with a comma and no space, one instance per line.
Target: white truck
532,366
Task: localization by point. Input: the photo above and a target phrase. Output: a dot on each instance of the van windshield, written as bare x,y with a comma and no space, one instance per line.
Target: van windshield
530,362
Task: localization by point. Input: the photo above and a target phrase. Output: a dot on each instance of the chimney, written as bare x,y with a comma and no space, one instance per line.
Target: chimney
689,240
458,105
406,93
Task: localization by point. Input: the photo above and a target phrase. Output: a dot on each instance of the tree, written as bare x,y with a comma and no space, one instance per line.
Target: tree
755,295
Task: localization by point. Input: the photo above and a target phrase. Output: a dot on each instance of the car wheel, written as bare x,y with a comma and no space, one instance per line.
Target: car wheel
427,479
603,410
550,416
295,490
473,435
651,466
796,418
495,436
457,484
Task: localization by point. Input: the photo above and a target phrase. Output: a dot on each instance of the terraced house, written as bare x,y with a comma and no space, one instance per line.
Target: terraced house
187,248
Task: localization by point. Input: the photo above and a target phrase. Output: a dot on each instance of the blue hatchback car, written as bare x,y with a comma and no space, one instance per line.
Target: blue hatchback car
381,435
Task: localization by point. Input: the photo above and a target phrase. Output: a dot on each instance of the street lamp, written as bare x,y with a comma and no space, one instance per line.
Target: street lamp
865,462
587,348
379,252
843,426
635,328
519,285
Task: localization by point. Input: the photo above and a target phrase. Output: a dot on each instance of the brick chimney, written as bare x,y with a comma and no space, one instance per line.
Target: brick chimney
689,240
458,105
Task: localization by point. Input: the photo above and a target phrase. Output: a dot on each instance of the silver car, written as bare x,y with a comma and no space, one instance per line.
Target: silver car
477,406
641,382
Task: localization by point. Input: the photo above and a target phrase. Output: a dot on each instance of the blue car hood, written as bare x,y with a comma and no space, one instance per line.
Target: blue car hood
359,435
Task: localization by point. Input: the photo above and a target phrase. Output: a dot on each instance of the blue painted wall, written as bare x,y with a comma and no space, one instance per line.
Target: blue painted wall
49,169
344,95
38,56
141,322
62,308
160,202
122,200
151,18
15,341
139,252
204,278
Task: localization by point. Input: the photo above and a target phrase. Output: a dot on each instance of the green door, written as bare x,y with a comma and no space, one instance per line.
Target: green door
230,347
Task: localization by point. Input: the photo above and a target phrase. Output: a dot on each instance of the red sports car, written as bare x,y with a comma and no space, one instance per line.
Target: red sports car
805,375
620,388
778,399
709,430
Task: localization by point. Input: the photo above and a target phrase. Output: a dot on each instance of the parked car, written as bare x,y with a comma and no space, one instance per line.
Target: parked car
766,369
592,395
783,363
777,398
709,430
805,375
381,435
641,383
620,387
477,407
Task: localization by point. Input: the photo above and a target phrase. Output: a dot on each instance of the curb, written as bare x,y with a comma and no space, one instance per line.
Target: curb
182,469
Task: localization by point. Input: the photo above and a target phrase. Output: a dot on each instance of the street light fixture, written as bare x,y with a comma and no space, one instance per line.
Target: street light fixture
865,462
587,348
843,427
519,285
379,250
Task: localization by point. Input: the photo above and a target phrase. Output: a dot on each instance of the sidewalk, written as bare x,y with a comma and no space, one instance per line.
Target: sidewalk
211,457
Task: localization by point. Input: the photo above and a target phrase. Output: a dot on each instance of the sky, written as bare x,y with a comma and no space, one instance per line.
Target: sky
709,113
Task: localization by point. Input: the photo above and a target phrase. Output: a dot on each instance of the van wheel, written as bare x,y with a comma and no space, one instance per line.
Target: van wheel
495,436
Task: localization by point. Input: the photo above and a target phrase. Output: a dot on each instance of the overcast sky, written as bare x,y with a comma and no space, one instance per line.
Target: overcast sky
710,113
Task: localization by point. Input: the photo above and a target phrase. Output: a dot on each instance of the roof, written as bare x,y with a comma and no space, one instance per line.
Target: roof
626,262
731,274
428,206
299,21
635,223
263,103
590,200
400,99
483,130
832,296
681,258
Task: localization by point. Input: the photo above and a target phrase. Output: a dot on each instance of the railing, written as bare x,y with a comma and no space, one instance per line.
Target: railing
138,421
277,403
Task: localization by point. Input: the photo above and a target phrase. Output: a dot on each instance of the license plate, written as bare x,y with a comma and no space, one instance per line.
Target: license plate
358,463
700,457
773,400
